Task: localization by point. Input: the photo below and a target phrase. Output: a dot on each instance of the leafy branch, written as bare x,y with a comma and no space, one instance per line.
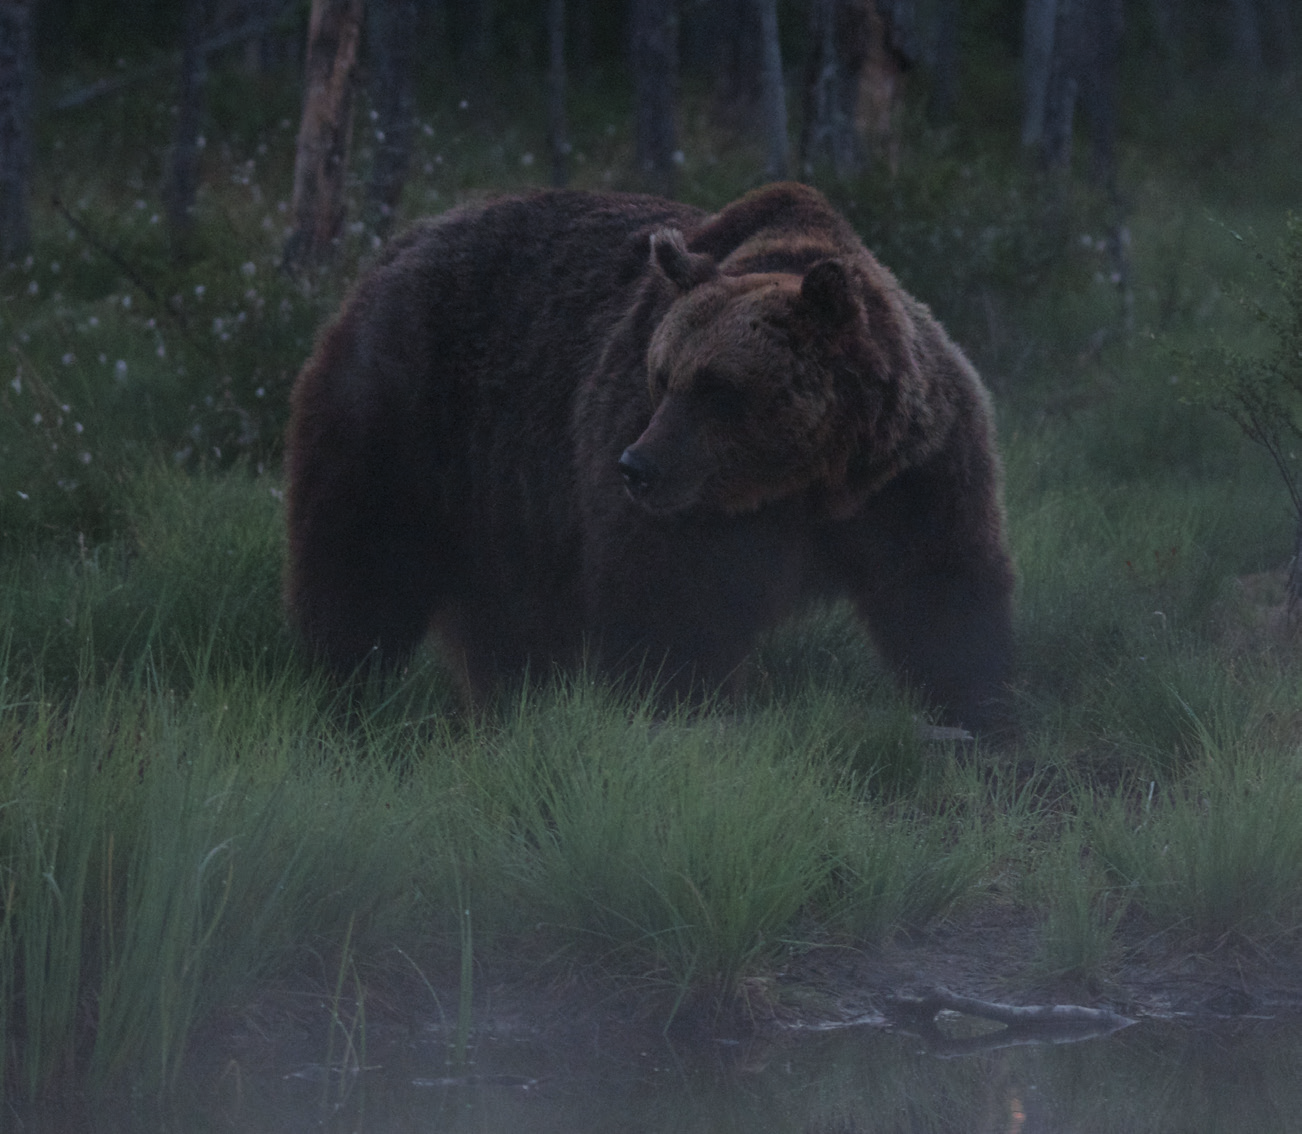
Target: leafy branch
1262,394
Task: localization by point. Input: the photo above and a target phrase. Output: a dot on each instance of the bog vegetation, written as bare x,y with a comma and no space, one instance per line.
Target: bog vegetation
192,819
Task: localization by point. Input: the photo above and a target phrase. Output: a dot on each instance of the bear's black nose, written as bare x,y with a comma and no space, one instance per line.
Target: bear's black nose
640,473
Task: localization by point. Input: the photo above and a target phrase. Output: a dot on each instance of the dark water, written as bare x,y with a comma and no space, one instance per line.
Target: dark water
1182,1079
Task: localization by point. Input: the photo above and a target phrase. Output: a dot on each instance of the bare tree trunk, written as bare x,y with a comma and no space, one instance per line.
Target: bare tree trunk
479,42
1247,33
775,94
655,66
325,132
17,76
722,39
944,99
1051,70
391,44
182,183
852,85
1040,22
1295,575
890,52
827,132
557,130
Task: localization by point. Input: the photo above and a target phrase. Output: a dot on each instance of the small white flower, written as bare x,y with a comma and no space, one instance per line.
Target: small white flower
120,370
93,321
24,496
17,384
33,288
199,289
126,302
68,359
37,419
249,268
526,159
77,427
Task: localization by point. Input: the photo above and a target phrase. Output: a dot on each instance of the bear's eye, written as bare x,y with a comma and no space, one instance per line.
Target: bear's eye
722,400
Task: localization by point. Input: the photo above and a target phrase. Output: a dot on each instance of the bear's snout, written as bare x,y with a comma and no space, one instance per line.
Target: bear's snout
639,471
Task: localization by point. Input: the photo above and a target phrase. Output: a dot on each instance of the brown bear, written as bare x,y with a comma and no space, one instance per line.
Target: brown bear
573,425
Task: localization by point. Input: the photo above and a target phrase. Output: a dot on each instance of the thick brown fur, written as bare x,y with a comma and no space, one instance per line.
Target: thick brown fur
572,424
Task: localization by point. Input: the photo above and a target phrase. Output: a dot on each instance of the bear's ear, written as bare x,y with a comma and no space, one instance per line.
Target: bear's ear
825,290
680,267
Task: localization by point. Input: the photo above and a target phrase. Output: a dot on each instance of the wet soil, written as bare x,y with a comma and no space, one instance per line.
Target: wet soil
988,954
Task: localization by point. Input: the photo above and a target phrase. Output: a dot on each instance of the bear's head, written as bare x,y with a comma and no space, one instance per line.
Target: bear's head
765,385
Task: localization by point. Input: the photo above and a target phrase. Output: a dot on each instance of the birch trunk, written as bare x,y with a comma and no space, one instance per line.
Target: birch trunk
324,135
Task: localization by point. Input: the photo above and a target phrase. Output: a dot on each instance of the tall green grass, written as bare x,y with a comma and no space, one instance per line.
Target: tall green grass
1217,854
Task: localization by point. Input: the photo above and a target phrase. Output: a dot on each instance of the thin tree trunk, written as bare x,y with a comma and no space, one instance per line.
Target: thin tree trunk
655,65
557,131
828,128
324,135
723,39
852,85
1039,26
1052,60
391,43
775,94
887,31
480,39
1247,33
17,75
183,158
1295,575
944,100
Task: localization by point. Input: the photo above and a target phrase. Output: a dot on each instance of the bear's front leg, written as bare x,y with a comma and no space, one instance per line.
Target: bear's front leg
926,565
677,604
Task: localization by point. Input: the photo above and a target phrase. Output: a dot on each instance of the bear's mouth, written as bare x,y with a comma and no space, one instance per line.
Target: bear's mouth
647,486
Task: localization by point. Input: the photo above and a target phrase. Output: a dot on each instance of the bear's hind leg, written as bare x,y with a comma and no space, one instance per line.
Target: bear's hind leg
363,549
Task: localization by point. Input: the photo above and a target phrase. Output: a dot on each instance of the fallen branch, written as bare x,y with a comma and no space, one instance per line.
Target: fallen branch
924,1009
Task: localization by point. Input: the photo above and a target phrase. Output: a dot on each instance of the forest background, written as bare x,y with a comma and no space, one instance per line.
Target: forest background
1094,198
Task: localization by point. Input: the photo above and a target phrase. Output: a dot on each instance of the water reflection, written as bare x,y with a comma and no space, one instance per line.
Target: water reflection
1156,1078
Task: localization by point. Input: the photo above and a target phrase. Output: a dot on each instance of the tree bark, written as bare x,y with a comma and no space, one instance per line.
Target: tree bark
1246,27
557,127
1039,25
182,183
17,78
479,41
852,84
775,94
944,94
1052,60
325,132
655,65
391,43
827,133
